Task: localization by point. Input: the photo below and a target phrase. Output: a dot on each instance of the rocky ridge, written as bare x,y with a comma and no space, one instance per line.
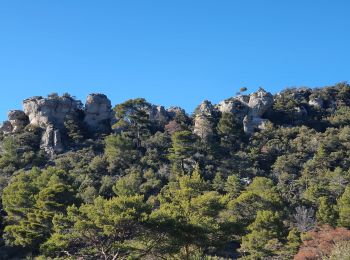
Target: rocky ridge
50,114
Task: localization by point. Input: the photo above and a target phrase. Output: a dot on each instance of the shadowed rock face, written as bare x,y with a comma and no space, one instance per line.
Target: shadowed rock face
158,113
51,140
18,120
98,113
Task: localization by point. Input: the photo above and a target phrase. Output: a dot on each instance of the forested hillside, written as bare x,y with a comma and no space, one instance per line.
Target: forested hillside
256,176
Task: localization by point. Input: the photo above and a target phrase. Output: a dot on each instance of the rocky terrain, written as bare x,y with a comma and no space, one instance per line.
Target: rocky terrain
49,114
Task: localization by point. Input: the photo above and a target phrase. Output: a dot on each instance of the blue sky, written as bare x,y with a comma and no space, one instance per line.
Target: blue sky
172,52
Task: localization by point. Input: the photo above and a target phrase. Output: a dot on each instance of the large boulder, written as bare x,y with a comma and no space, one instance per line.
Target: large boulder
204,119
260,102
98,113
237,106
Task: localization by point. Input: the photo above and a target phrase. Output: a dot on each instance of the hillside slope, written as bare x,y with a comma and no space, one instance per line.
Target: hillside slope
251,177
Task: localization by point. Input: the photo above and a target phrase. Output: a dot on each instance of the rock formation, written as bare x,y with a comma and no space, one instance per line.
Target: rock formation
259,103
51,140
17,120
51,113
203,121
158,113
237,106
98,113
249,109
52,110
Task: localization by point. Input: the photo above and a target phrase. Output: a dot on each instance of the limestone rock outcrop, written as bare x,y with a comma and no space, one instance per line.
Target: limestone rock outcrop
237,106
260,102
51,113
51,140
249,109
158,113
52,110
203,121
98,112
18,120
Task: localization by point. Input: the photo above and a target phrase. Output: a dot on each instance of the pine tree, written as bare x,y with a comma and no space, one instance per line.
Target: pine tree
326,213
265,233
344,208
182,148
229,131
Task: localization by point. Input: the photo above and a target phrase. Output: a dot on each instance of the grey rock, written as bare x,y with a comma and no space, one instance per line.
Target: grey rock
98,112
158,113
249,109
18,120
260,102
174,111
6,127
237,106
252,124
300,111
51,140
53,110
203,123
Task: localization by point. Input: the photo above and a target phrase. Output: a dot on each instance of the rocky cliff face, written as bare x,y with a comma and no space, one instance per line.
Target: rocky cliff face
203,121
17,120
50,115
249,109
52,110
98,113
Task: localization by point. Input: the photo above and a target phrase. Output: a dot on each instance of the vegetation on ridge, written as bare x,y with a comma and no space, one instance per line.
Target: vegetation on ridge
152,189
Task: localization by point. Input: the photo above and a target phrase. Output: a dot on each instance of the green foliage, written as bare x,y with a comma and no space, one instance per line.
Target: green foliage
75,128
105,228
344,208
326,213
233,186
230,131
155,190
265,235
182,148
120,152
293,242
31,201
186,217
133,120
129,184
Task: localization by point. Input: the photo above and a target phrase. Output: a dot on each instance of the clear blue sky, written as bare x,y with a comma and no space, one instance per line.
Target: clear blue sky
172,52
